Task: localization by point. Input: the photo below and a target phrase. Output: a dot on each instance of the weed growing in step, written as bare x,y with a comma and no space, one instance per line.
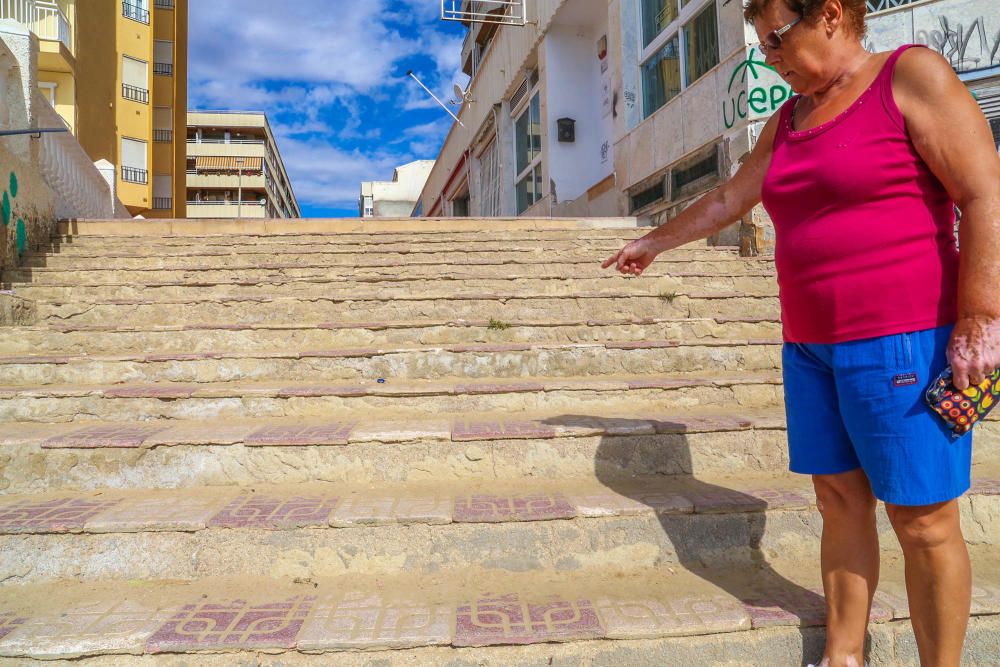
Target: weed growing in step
497,325
668,296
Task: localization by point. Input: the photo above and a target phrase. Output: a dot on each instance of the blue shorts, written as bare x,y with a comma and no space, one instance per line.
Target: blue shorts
860,404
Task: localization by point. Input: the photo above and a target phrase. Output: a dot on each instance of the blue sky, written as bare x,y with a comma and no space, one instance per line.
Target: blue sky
331,75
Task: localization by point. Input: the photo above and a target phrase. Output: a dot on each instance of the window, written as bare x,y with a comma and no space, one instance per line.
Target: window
133,159
369,207
49,91
880,5
163,124
646,197
688,177
528,154
680,45
163,57
137,10
135,79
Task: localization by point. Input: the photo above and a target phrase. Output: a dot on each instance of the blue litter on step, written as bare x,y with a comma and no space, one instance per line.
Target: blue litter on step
381,380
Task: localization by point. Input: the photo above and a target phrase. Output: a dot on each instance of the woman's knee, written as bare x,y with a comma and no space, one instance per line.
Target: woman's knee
925,526
846,494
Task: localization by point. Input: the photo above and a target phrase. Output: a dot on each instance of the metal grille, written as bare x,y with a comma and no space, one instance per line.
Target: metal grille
135,12
519,94
135,175
163,136
135,93
882,5
164,4
500,12
995,127
163,203
163,69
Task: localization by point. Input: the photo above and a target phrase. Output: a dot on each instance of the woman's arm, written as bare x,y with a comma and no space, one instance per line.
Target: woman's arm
708,215
950,133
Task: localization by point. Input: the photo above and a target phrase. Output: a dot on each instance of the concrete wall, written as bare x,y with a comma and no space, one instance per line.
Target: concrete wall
27,205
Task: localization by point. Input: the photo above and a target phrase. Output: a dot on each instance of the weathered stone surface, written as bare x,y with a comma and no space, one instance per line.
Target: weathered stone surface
375,510
329,433
509,619
105,435
683,615
263,511
488,508
51,516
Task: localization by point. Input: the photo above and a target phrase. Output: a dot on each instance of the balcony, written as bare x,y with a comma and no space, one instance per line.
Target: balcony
42,17
225,209
163,136
163,203
163,4
134,93
163,69
135,175
229,181
135,12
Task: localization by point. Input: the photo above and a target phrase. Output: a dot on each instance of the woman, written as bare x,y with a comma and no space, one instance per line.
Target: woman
860,173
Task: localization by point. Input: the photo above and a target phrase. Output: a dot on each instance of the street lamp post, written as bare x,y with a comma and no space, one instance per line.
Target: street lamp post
239,190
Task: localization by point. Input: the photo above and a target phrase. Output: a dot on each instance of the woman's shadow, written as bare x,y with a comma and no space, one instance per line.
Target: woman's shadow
717,533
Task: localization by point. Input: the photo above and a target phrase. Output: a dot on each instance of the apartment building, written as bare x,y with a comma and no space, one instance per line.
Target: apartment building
131,95
637,107
396,198
234,168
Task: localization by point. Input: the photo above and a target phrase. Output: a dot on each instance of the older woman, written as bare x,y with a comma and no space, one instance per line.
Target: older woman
860,172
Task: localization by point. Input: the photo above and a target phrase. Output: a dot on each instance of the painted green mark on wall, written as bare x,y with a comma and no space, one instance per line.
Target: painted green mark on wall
22,237
13,184
5,210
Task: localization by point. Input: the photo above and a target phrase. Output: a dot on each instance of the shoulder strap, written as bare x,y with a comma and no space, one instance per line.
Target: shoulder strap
885,84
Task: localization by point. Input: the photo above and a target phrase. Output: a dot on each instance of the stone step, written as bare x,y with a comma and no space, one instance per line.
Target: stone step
324,530
349,259
406,397
602,443
587,267
653,357
393,288
504,307
601,616
102,339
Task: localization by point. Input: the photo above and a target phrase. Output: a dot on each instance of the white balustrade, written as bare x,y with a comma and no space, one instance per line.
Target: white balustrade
22,11
51,23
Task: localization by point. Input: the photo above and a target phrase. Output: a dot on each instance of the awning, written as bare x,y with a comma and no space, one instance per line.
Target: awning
218,163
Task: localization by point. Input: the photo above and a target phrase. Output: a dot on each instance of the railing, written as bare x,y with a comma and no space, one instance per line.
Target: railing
163,203
882,5
134,93
135,12
163,136
22,11
252,142
81,190
164,4
163,69
135,175
225,203
51,23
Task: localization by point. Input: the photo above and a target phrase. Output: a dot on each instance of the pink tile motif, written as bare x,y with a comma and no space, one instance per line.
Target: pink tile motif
309,391
985,487
328,433
610,503
467,430
104,435
719,499
51,516
9,622
263,511
236,624
506,619
781,606
689,615
487,508
379,510
362,620
499,388
99,626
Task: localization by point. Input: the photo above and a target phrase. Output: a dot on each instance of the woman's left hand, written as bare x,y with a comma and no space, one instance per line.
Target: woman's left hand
974,350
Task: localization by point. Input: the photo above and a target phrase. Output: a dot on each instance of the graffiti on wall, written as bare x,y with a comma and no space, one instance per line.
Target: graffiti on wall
7,215
754,91
968,45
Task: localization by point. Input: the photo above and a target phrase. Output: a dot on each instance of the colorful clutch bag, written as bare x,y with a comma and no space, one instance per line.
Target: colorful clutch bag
963,409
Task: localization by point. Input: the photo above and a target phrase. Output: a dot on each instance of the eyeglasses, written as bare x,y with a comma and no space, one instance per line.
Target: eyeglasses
772,40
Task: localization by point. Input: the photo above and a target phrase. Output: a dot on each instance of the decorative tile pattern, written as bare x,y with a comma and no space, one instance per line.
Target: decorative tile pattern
51,516
263,511
104,435
236,624
985,487
322,390
215,433
781,606
719,499
609,503
329,433
639,619
120,626
147,513
499,388
10,622
467,430
487,508
379,510
161,392
361,620
506,619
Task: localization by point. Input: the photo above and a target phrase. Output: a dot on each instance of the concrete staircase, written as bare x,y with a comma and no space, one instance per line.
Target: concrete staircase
436,443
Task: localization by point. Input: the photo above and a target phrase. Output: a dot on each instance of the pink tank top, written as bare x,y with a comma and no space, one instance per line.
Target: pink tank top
863,229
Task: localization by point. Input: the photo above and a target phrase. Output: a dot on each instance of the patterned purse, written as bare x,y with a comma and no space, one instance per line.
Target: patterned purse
963,409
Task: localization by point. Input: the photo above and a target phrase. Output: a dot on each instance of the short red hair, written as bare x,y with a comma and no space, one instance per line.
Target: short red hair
854,11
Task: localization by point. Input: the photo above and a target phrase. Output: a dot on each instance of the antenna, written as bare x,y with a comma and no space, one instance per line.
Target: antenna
440,103
500,12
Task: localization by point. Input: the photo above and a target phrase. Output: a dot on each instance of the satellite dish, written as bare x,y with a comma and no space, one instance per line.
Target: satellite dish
463,95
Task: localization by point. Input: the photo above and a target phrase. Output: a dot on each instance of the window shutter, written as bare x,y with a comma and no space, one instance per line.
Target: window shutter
163,51
135,72
163,186
133,153
163,118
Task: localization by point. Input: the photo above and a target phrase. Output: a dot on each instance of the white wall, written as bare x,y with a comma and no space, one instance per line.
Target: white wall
573,90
